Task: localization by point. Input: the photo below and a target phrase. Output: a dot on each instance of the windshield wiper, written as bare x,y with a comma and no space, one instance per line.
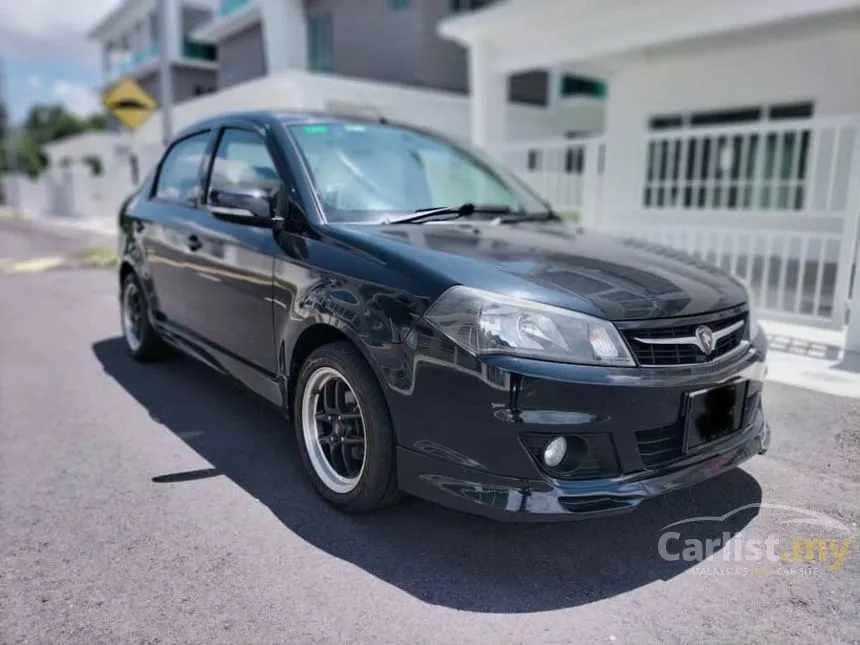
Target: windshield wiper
548,216
452,212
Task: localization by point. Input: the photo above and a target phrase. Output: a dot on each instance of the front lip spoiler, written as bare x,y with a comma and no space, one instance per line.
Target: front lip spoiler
516,500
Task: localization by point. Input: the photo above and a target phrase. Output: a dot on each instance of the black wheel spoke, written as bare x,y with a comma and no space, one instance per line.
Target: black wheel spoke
338,440
340,396
329,399
346,455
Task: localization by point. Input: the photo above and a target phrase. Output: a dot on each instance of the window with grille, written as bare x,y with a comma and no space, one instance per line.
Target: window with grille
698,161
320,43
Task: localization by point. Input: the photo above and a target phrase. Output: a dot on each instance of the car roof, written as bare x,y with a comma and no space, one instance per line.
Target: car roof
280,117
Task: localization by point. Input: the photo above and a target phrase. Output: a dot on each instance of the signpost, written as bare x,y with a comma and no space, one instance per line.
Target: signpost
129,103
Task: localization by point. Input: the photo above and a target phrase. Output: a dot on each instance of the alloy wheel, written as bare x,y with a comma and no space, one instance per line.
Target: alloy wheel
333,430
132,315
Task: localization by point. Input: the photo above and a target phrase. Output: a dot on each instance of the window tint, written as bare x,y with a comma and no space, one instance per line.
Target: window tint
242,160
179,178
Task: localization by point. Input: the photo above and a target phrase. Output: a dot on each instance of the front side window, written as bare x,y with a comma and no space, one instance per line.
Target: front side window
179,177
368,171
242,161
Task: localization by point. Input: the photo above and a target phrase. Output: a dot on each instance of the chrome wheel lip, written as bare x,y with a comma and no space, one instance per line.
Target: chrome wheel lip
332,479
132,311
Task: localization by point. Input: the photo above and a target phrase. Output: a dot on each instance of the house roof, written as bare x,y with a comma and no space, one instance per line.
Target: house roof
103,27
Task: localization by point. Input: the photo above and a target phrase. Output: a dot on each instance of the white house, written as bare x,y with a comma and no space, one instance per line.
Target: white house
732,129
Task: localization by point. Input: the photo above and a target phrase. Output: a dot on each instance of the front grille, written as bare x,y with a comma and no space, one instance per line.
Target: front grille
683,354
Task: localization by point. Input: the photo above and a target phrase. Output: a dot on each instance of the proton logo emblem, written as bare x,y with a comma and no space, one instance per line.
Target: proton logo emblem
706,339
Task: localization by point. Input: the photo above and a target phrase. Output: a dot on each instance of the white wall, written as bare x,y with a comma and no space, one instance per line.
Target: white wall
779,65
742,70
297,90
100,144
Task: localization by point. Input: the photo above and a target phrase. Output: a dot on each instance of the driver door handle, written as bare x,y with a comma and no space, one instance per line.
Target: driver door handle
193,243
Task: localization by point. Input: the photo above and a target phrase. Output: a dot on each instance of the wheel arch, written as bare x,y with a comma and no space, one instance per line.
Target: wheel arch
291,356
125,268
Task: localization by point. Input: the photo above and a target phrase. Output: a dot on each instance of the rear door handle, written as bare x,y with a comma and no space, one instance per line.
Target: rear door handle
193,243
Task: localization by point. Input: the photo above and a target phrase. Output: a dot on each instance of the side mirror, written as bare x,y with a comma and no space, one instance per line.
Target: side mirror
247,206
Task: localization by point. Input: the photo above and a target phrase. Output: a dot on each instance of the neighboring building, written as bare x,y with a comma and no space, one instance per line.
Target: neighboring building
732,129
393,41
131,42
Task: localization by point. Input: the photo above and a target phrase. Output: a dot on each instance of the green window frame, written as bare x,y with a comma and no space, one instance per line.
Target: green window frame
320,43
570,85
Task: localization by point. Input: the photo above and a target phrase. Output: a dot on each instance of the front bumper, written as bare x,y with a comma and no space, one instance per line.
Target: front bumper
464,428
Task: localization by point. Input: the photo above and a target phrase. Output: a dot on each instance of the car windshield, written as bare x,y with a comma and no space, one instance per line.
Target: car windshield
367,172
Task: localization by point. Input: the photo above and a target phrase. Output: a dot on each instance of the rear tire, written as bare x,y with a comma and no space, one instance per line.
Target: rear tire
141,339
344,430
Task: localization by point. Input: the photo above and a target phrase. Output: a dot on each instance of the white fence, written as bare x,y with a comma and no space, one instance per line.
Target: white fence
567,172
73,191
776,203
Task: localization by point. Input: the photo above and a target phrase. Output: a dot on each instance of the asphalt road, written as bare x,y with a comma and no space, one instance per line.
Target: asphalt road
159,504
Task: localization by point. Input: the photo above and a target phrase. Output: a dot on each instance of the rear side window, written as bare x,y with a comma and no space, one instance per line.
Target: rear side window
179,178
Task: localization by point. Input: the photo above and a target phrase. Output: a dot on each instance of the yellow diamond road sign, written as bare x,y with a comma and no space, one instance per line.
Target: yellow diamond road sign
129,102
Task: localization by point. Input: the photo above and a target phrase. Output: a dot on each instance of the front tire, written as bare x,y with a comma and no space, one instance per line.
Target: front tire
141,340
344,430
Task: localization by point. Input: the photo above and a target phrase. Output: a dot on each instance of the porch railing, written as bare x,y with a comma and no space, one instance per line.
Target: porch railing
566,172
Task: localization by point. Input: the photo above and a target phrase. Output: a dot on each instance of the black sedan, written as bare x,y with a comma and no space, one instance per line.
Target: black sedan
430,326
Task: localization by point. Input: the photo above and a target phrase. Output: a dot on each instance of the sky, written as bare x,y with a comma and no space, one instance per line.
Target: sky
45,55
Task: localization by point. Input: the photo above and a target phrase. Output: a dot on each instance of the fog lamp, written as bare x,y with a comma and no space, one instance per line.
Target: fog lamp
554,452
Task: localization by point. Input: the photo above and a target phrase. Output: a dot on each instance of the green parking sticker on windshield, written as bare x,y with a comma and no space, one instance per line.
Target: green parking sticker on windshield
316,129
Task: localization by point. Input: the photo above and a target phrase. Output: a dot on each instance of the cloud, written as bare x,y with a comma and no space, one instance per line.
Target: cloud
78,98
45,29
34,81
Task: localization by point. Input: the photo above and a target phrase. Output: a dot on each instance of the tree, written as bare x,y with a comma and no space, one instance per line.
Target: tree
4,122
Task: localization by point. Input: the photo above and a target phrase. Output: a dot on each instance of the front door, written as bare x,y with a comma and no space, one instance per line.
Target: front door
230,300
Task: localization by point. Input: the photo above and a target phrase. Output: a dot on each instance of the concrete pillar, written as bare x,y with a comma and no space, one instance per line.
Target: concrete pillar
626,150
851,258
172,39
285,34
488,89
852,336
107,61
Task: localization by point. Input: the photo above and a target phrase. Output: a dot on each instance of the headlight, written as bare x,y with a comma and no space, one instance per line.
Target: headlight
487,323
755,327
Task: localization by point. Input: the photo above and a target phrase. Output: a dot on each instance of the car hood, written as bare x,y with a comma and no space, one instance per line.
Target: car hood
612,277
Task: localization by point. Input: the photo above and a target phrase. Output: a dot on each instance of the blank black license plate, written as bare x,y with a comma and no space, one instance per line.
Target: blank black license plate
713,414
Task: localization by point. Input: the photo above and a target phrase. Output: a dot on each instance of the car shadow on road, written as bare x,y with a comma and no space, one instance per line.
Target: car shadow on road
439,556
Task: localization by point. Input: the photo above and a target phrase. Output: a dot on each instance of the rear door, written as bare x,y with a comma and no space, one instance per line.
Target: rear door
162,223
